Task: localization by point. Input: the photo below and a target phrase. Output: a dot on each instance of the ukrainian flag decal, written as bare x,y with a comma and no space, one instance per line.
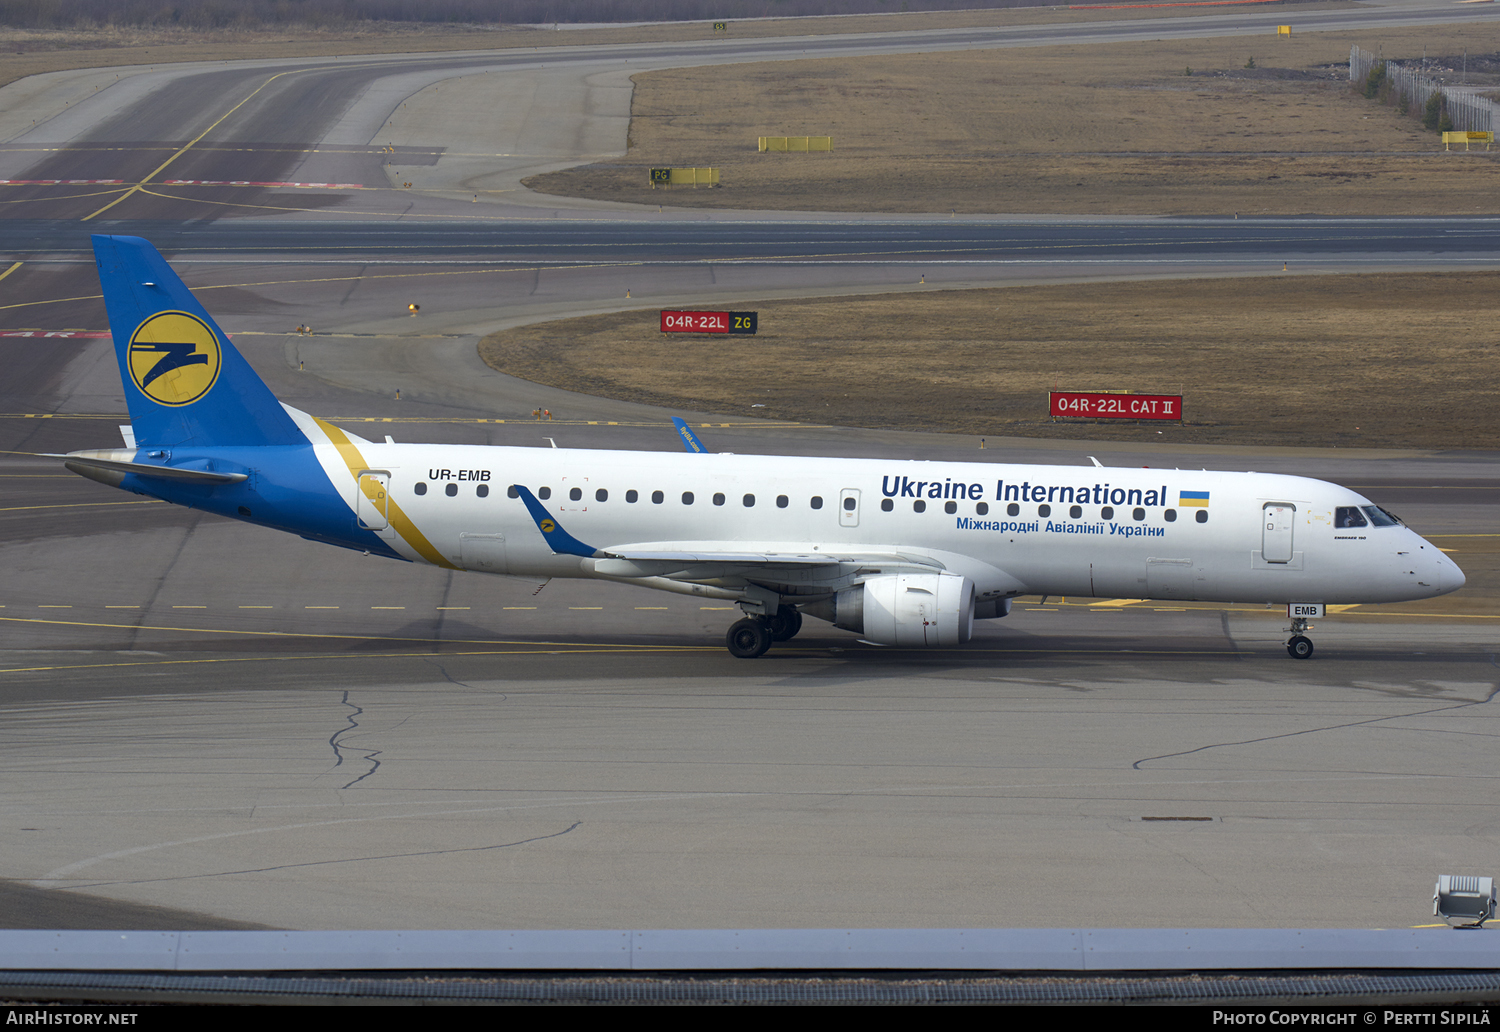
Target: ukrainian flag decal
1192,499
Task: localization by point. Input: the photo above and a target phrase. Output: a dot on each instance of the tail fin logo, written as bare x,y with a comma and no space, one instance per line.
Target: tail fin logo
174,358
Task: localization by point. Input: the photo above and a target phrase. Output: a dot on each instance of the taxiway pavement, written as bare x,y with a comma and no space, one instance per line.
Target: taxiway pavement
240,727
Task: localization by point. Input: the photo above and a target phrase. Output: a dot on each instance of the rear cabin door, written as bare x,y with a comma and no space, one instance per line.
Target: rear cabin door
371,499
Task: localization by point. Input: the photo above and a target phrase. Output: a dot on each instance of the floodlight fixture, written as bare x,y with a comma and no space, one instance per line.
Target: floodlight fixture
1464,900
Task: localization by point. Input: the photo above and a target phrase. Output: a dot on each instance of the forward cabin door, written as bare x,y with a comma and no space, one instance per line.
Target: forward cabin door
1276,533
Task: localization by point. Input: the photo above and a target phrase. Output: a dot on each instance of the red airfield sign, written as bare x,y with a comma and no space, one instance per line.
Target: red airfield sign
708,322
1083,405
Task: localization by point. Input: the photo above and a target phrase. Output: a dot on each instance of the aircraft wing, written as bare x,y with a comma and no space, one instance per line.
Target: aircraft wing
696,563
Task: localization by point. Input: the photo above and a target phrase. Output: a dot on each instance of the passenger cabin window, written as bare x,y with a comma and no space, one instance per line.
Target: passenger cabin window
949,507
632,496
601,495
451,490
1012,509
983,508
1076,512
1137,514
1202,516
781,501
886,505
718,498
1349,516
483,490
687,498
575,494
657,497
1170,515
544,493
511,492
817,501
1044,510
749,500
419,488
1107,513
919,506
849,504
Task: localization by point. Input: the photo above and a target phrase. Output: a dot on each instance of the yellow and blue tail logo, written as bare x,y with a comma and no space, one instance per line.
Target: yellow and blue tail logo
174,358
185,383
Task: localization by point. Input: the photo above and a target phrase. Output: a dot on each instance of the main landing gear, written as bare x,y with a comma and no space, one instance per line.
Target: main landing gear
753,636
1299,645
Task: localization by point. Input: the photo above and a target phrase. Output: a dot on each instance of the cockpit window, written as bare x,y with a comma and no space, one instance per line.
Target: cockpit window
1380,517
1347,516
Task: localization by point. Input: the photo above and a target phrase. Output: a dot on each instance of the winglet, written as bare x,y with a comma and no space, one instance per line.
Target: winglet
689,440
559,540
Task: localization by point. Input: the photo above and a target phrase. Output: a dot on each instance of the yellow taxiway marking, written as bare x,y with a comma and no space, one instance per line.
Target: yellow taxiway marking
434,420
651,607
187,146
518,607
78,505
313,635
443,609
523,649
717,609
54,607
12,269
320,607
387,607
137,607
1110,603
189,607
257,607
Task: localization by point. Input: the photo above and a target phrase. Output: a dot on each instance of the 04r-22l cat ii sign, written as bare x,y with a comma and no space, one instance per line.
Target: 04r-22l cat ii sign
905,553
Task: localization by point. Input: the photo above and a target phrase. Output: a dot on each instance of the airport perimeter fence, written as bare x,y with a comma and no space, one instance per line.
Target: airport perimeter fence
1468,112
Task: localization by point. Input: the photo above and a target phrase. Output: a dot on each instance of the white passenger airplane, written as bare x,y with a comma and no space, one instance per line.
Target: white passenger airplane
899,552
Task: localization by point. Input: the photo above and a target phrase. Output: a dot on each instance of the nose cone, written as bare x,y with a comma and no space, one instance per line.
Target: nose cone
1450,577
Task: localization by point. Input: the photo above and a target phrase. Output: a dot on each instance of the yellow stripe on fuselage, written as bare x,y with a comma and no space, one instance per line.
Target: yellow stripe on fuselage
400,522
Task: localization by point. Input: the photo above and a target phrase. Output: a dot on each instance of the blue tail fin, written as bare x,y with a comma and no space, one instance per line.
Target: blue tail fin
185,383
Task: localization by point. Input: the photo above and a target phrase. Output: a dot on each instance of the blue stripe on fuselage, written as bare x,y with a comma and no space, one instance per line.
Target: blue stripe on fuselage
287,489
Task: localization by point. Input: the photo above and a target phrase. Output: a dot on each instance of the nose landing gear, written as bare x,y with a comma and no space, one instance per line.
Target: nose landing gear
1299,645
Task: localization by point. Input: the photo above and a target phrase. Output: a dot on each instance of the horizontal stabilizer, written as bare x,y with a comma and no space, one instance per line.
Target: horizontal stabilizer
90,464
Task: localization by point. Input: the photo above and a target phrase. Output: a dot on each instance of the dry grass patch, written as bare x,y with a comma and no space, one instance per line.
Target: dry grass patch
1112,128
34,51
1349,361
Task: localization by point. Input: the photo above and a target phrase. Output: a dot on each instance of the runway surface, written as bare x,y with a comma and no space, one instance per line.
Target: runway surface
242,728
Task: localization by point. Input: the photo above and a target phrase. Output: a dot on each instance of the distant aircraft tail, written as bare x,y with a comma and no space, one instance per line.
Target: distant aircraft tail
185,383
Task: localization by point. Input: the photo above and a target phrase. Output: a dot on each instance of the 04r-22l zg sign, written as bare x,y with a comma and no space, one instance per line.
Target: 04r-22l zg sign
709,322
1083,405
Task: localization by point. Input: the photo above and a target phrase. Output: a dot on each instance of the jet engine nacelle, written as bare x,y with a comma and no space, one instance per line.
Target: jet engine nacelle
905,609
